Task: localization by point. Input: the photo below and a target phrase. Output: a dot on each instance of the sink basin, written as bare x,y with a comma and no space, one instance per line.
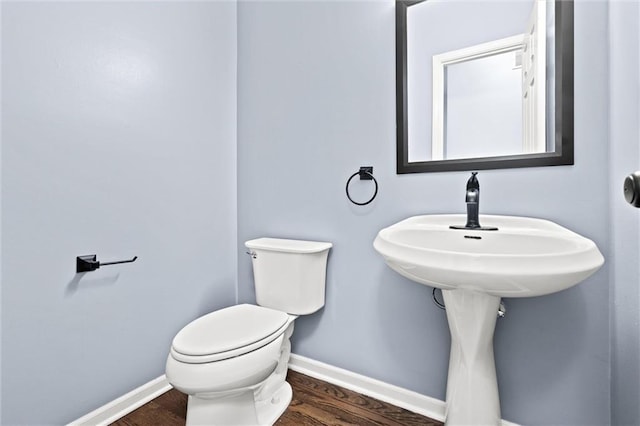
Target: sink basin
524,257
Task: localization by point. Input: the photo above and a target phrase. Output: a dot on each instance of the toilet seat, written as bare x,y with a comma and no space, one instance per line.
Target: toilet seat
228,333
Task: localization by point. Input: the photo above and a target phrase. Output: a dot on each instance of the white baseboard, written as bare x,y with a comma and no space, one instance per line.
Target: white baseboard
122,406
400,397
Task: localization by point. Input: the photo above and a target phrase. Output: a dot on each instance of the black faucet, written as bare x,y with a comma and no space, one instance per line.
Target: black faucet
472,198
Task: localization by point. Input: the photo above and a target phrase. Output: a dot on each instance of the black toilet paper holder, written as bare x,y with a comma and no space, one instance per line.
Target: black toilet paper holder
90,262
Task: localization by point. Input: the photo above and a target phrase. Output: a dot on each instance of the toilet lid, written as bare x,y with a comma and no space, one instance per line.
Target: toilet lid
228,329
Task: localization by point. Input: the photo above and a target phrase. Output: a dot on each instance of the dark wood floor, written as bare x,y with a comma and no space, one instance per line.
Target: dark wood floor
315,403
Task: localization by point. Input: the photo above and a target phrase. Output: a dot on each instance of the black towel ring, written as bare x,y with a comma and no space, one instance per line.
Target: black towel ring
365,173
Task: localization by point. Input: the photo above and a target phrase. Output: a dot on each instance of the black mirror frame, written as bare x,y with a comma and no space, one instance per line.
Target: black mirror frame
563,154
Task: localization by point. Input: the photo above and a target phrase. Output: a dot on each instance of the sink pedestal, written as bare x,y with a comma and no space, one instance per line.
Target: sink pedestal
472,386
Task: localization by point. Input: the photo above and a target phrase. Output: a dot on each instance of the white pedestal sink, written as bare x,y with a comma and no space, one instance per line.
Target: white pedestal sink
475,269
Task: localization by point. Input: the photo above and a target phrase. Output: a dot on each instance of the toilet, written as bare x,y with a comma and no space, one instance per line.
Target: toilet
233,362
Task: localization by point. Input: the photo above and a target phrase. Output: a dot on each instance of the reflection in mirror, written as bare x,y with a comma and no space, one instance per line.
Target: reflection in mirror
477,102
484,84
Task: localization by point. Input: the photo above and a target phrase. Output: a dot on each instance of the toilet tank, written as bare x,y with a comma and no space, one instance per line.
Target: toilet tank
289,275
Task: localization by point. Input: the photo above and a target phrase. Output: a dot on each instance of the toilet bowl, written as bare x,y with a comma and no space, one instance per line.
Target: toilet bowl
233,362
221,359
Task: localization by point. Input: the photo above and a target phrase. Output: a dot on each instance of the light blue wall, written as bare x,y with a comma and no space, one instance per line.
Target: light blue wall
118,138
624,23
316,86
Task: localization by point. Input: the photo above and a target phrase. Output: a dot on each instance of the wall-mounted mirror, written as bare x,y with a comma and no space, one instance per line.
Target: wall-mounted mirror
483,84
